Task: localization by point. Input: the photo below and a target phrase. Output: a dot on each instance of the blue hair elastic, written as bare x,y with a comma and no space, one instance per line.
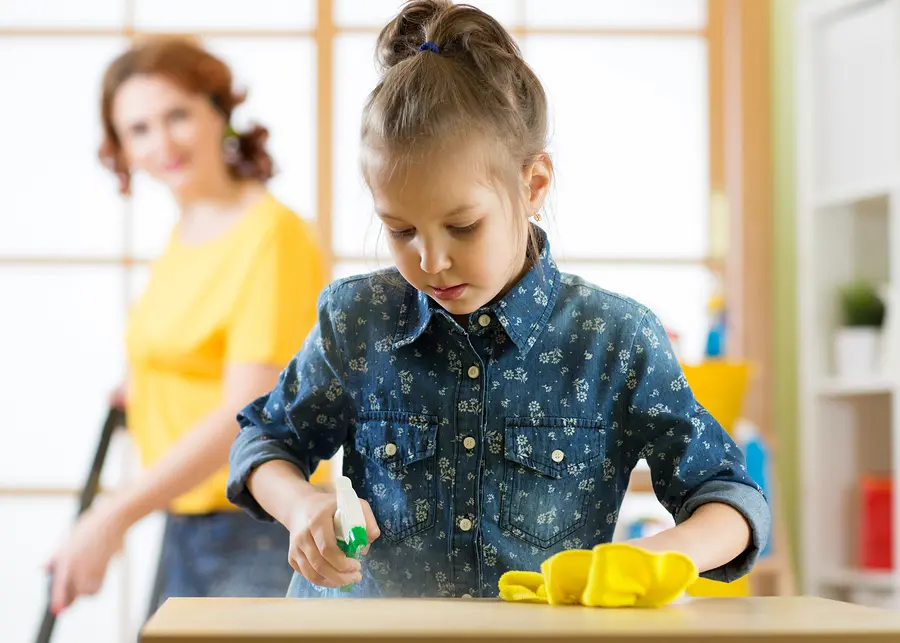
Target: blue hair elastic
430,46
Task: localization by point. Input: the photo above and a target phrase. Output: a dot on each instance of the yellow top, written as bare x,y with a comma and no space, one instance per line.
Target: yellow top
248,296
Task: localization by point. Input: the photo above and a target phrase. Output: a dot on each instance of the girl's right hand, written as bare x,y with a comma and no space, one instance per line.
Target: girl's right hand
314,552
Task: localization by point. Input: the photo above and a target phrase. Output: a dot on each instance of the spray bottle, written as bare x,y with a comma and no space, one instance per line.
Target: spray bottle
349,522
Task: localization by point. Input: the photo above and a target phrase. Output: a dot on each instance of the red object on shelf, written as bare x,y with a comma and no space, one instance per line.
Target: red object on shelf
875,538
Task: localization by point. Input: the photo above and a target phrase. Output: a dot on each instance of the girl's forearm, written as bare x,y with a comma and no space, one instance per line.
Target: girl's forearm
713,536
277,485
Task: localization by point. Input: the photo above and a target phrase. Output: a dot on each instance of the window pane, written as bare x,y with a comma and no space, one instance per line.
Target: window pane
355,227
153,213
197,15
377,13
138,277
630,14
629,143
678,295
62,354
56,199
62,13
279,76
32,528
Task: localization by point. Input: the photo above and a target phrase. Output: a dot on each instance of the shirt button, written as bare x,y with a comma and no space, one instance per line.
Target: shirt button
465,524
474,372
484,321
557,456
390,449
469,442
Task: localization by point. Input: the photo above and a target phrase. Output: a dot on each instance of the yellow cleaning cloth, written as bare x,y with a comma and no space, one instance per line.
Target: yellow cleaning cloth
524,587
609,575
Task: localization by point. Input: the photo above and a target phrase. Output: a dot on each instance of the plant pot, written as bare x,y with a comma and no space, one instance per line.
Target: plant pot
857,351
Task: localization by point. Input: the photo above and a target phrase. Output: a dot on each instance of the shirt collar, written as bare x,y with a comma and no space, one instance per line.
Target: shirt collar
523,312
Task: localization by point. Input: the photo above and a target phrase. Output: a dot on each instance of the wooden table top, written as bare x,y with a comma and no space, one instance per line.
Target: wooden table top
731,620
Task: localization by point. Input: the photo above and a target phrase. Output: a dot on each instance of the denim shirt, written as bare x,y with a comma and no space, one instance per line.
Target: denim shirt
490,447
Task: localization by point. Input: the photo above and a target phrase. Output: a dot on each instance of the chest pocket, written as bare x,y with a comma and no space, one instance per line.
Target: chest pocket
399,464
552,466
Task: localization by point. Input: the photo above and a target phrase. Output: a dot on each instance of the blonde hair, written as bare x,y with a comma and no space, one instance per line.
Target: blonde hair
450,71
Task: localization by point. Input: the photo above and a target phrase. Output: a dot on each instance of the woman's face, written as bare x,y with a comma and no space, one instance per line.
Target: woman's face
172,135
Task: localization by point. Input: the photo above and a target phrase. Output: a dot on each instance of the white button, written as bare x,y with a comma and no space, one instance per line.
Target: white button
466,596
474,372
465,524
469,443
484,321
390,449
557,456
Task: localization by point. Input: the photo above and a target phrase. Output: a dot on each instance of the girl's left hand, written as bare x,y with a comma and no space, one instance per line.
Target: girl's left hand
79,565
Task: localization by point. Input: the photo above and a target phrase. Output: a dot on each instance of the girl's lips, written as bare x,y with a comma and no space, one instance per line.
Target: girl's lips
449,294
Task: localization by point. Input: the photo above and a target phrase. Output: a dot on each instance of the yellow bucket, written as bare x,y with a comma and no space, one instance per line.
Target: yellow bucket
706,587
323,473
720,387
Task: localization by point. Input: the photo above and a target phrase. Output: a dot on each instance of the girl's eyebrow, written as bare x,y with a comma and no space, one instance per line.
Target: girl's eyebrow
462,209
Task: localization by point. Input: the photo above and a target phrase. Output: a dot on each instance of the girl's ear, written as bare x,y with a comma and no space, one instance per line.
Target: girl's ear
537,176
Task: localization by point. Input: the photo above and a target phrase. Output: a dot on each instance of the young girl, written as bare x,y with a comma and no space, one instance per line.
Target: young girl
491,409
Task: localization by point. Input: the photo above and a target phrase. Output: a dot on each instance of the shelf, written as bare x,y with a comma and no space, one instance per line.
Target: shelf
861,579
850,194
835,387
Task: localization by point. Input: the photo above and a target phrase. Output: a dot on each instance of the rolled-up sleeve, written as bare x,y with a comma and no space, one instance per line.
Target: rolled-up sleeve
752,505
692,459
303,420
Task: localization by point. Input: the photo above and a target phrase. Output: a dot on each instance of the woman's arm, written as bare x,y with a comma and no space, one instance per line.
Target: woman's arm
80,564
200,453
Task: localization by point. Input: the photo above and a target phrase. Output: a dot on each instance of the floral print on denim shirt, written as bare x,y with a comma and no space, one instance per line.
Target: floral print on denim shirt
489,447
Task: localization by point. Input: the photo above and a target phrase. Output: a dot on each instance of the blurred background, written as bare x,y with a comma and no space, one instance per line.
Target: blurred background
730,163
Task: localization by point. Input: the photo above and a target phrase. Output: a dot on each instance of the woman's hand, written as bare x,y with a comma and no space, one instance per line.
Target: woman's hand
79,565
118,397
314,551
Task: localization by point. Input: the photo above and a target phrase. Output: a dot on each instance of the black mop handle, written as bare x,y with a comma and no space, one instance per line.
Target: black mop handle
115,418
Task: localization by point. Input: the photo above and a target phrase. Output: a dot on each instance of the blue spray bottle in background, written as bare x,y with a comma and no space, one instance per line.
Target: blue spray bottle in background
715,336
756,453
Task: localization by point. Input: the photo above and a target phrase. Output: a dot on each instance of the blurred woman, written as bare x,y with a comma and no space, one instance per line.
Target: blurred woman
229,301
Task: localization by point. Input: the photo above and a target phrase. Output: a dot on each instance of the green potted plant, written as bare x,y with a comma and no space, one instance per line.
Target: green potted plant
858,339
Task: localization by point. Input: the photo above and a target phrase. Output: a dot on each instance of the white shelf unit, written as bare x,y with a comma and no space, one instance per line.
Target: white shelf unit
848,203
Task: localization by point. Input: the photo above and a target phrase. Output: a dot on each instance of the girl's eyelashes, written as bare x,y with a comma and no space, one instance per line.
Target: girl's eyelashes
464,229
401,234
409,232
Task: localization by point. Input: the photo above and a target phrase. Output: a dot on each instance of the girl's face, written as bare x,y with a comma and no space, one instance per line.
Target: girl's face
452,233
172,135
